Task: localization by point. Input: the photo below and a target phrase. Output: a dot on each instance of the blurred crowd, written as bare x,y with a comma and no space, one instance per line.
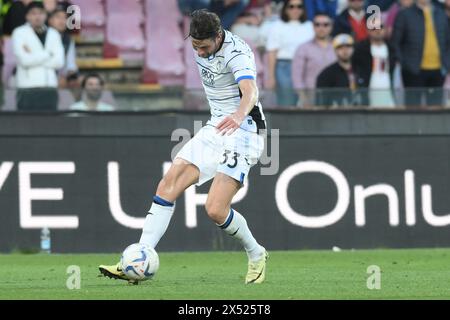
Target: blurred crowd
45,57
314,52
314,49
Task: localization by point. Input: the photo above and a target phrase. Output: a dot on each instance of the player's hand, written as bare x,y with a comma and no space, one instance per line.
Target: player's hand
230,124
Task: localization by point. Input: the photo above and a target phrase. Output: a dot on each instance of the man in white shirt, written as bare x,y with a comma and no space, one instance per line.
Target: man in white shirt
39,53
93,86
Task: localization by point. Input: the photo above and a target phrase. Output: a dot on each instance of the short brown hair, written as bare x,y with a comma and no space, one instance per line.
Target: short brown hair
204,25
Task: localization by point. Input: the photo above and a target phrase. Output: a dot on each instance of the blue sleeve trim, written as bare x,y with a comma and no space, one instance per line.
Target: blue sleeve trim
245,77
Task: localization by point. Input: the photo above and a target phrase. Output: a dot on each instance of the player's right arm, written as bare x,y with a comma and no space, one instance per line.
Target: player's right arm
241,62
249,99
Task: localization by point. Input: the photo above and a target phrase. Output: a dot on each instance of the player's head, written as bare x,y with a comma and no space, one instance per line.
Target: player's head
206,32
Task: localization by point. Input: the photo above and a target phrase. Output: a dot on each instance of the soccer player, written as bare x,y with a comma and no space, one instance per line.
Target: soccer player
223,150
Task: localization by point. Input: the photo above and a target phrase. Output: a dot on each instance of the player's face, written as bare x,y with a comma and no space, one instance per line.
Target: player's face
205,48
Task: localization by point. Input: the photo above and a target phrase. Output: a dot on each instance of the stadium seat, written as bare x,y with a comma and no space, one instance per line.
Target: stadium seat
124,40
192,76
92,19
125,35
126,7
92,12
163,53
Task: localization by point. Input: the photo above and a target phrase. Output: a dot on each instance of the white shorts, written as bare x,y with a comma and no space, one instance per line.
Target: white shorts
232,155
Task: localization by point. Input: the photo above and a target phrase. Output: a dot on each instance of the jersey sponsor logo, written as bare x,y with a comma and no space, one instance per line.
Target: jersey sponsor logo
208,77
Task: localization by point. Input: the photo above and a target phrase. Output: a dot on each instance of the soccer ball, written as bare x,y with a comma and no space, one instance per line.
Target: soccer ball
139,262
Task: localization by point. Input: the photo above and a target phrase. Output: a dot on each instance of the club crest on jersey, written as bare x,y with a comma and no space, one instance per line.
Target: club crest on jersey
219,66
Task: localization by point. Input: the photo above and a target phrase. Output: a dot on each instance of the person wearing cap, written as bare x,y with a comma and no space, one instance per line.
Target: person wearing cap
39,53
339,81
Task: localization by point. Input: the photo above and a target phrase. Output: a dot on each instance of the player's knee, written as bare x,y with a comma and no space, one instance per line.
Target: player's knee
216,212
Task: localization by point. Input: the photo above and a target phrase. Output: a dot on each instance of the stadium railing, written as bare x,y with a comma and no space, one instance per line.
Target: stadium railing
318,99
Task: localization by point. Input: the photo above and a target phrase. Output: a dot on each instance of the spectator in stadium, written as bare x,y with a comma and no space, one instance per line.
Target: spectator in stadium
93,86
188,6
58,20
228,10
258,15
5,5
270,18
392,14
286,35
311,58
39,53
384,5
15,17
375,60
341,6
340,80
352,21
422,43
313,7
447,9
73,84
247,27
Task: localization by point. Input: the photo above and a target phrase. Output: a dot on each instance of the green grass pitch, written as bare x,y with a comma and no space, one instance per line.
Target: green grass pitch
405,274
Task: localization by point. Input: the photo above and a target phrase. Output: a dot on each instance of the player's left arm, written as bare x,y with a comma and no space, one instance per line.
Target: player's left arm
249,99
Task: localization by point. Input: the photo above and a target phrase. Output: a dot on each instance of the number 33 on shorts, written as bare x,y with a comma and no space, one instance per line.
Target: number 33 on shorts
232,161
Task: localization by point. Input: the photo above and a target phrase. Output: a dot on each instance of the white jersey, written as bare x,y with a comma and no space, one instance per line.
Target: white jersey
221,73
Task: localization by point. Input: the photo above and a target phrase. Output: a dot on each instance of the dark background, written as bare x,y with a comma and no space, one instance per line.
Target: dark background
367,147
